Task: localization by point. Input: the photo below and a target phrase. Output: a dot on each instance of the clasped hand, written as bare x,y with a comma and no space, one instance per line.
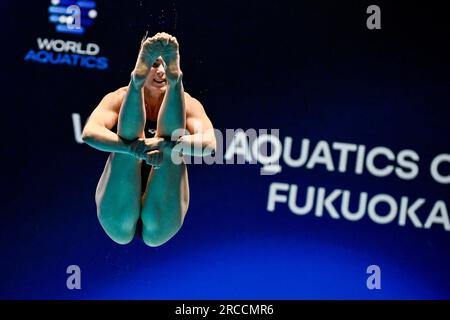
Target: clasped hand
151,150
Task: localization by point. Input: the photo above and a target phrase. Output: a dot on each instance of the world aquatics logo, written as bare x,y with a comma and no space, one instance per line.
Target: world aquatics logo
69,17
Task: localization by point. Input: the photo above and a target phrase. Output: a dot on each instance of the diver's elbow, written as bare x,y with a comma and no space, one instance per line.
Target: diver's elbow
87,135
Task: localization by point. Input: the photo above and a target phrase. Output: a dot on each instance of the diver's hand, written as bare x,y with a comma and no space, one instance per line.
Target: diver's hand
155,158
140,147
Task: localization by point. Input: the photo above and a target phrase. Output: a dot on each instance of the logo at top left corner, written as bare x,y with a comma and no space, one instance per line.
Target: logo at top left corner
72,16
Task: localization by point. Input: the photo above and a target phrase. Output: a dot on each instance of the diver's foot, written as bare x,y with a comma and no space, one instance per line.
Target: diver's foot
170,54
148,53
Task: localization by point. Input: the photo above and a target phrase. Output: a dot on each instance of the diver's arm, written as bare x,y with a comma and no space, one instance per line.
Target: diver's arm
202,141
97,131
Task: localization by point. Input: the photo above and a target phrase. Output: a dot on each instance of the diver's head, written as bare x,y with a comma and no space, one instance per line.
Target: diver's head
156,79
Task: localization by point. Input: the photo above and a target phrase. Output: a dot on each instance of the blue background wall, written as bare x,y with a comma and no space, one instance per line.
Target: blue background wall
312,70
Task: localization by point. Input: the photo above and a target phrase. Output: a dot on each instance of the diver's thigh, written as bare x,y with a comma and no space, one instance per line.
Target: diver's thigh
118,196
165,202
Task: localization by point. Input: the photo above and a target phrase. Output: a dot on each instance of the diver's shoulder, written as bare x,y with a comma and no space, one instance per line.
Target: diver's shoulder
121,90
119,93
190,99
193,105
113,99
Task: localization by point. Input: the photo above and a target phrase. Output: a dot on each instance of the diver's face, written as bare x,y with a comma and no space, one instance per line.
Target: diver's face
157,76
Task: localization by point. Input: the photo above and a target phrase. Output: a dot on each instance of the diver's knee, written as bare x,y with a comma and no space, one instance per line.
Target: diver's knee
152,242
155,237
119,230
156,241
123,239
